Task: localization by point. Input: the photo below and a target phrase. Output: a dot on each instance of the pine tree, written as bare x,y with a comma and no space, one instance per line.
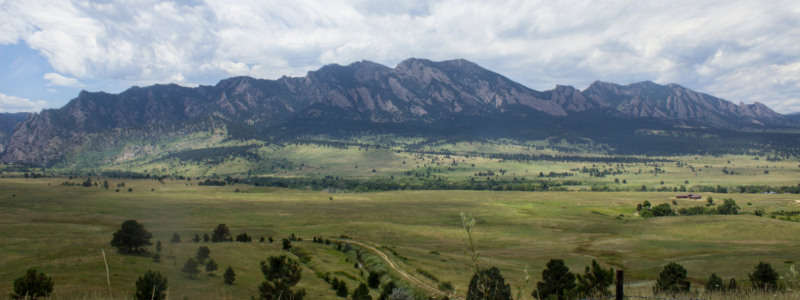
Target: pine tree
211,266
374,280
595,280
672,280
32,286
281,274
158,246
287,244
131,237
221,234
556,278
341,290
764,277
229,276
202,254
206,238
190,267
714,284
270,240
151,286
157,257
196,238
361,292
175,238
488,284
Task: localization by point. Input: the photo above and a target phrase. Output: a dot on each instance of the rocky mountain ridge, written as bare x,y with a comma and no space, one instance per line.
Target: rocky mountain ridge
415,91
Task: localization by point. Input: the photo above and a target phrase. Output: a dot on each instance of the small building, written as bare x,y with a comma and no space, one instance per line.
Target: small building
682,196
695,196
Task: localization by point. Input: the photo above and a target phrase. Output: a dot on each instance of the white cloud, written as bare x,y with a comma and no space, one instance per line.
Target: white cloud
51,90
60,80
700,44
17,104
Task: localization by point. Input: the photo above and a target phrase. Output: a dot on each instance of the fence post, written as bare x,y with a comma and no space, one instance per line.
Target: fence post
620,282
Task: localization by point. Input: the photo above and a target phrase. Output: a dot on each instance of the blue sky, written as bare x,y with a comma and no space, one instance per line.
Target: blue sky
738,50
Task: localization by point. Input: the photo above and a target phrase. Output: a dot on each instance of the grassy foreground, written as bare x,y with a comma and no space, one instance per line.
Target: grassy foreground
61,231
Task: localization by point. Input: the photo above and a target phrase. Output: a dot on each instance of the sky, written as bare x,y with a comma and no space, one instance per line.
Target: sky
739,50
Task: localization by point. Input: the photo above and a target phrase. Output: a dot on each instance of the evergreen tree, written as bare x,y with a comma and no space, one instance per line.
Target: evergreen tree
764,277
732,285
261,240
190,267
488,284
229,276
158,246
714,284
270,240
361,293
32,286
131,237
206,238
341,290
175,238
211,266
196,238
220,234
157,257
151,286
387,289
672,280
281,274
202,254
374,280
595,281
287,244
556,280
334,283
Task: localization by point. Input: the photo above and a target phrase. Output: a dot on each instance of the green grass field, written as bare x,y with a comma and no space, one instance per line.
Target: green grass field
61,230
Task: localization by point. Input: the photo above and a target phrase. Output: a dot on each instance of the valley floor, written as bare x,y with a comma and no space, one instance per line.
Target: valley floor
60,230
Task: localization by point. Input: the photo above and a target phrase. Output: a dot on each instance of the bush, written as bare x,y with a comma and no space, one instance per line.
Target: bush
728,207
663,210
32,285
672,280
302,254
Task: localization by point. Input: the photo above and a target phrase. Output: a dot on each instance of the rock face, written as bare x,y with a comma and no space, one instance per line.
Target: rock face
416,90
647,99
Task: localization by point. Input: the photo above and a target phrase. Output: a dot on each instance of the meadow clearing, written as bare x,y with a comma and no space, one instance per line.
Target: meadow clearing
60,230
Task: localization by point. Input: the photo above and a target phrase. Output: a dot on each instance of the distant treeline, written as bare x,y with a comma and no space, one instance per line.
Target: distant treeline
335,184
215,155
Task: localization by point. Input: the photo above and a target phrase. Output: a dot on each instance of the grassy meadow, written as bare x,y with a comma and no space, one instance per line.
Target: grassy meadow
60,230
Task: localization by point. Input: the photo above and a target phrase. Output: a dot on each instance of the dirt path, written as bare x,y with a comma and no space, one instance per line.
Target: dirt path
413,280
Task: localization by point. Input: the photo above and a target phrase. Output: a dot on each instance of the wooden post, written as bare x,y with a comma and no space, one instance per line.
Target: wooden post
620,282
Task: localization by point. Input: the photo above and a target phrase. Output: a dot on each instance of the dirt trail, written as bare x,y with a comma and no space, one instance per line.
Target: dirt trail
413,280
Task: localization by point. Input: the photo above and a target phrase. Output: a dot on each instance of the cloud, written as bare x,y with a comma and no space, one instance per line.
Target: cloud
58,79
700,44
51,90
17,104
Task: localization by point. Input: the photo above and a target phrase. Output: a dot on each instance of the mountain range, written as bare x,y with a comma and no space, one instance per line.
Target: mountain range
416,92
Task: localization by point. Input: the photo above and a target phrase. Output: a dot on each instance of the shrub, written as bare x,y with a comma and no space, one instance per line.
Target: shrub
714,284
